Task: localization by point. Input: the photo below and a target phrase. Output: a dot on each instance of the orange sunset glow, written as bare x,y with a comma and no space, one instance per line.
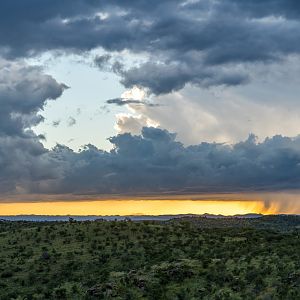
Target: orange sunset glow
137,207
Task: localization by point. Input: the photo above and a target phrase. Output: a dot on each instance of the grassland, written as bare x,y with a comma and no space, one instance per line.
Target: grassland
190,258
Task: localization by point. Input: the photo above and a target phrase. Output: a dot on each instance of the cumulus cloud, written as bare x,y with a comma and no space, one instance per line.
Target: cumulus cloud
129,123
183,44
155,162
24,90
267,106
152,162
204,43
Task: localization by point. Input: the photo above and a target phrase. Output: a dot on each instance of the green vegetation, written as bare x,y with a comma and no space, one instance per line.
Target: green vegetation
190,258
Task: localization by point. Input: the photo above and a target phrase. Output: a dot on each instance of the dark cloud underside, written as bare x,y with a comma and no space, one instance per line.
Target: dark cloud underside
199,42
151,162
24,91
155,162
202,43
124,101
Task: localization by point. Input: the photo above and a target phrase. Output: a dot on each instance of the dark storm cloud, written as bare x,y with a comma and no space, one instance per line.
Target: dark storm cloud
155,162
164,78
24,91
103,62
124,101
199,42
152,162
261,8
202,43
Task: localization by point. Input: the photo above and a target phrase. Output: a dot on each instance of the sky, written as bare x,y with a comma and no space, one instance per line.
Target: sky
148,97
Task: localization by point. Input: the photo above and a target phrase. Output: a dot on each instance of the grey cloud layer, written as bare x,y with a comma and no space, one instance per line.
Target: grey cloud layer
155,162
199,42
24,91
151,162
194,42
125,101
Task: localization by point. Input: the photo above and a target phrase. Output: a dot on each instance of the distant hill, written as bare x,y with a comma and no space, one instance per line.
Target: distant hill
274,222
46,218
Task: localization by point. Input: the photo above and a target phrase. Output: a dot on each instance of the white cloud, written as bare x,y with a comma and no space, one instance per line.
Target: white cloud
135,93
266,107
